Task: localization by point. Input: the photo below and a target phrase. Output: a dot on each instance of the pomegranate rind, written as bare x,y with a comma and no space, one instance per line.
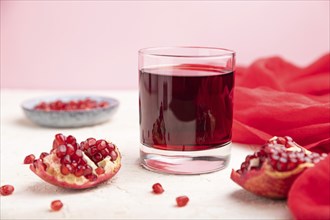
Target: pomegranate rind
309,197
268,182
54,177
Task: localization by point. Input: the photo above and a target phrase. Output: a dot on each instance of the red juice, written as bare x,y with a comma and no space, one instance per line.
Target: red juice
186,108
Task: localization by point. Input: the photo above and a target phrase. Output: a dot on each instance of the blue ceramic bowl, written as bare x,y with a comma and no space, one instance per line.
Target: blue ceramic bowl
69,119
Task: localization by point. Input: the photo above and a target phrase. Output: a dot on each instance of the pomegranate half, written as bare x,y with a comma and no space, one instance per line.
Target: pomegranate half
77,166
270,171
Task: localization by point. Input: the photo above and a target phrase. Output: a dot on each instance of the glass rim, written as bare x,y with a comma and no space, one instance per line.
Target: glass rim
156,51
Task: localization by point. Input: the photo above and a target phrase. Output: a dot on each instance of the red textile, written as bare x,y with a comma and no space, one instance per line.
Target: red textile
276,98
309,197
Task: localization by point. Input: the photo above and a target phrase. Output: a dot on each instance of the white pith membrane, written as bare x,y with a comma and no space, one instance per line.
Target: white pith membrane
54,168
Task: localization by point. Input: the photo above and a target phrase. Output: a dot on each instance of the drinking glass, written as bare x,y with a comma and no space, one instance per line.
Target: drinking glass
186,108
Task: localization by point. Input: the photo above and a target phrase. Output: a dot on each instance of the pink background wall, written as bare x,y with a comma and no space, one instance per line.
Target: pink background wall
93,45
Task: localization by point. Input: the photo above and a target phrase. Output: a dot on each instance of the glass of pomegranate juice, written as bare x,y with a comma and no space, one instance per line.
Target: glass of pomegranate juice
186,108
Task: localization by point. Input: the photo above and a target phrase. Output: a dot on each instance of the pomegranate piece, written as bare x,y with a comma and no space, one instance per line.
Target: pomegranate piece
81,104
182,201
29,159
157,188
56,205
77,166
270,171
6,190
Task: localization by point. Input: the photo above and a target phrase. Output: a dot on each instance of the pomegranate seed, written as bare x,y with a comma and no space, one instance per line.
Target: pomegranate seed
99,170
157,188
88,170
281,140
291,165
43,155
29,159
6,190
79,171
66,159
111,147
71,140
61,151
56,205
282,164
78,154
101,145
182,201
70,150
44,166
74,165
94,150
59,140
113,155
66,169
91,141
103,104
91,177
97,157
288,138
105,152
244,166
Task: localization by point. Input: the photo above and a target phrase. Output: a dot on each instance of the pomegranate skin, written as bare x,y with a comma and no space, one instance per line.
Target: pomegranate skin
55,178
268,183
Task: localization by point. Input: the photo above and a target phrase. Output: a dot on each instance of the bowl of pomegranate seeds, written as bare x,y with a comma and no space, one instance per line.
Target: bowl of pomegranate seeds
70,111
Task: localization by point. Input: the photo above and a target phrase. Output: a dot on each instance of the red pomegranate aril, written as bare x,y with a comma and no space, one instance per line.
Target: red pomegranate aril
77,155
99,170
101,144
6,190
282,164
93,151
103,104
79,171
66,159
59,140
70,149
71,140
66,169
182,201
88,170
113,155
244,166
91,177
74,165
43,154
56,205
97,157
105,152
292,164
29,159
61,151
157,188
91,141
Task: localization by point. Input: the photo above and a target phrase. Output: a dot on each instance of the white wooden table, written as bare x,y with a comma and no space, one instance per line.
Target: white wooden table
128,195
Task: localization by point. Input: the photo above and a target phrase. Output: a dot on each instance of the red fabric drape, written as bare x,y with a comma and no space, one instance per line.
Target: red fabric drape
275,98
